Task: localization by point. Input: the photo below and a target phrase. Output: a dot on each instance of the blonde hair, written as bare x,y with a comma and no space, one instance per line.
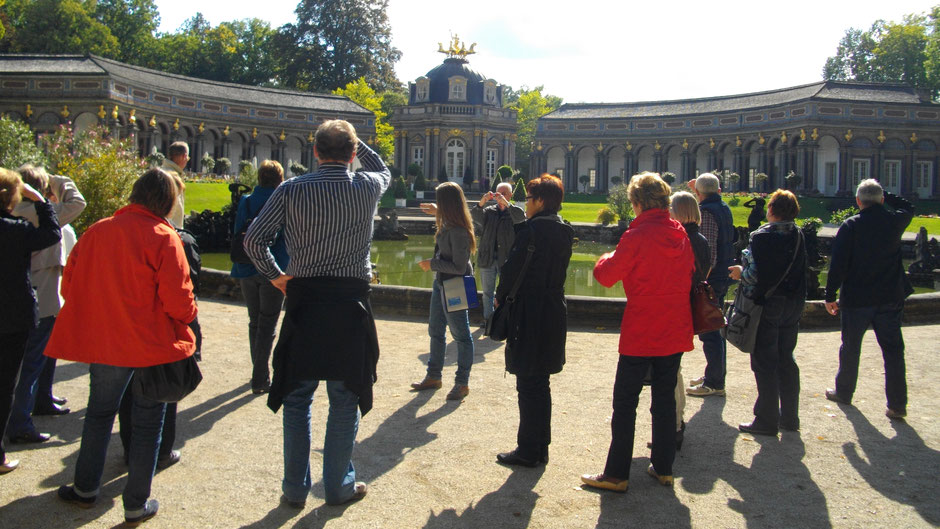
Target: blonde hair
684,208
452,211
649,191
10,188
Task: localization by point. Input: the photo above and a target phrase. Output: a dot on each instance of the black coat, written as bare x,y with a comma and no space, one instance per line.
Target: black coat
539,317
19,239
700,250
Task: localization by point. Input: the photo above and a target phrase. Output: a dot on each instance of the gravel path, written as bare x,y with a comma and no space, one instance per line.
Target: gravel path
431,463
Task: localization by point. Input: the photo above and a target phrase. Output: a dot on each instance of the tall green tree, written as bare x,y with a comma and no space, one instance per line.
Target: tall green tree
57,26
133,23
891,52
530,105
335,43
360,92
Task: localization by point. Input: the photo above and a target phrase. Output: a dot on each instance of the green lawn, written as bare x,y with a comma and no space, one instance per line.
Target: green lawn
202,196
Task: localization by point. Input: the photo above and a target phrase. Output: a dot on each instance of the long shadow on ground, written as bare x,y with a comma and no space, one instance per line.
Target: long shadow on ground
509,506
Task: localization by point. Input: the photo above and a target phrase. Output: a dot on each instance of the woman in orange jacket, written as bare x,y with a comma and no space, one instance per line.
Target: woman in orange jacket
128,300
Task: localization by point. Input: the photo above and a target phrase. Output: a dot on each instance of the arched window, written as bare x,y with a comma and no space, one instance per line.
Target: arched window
458,89
455,159
421,89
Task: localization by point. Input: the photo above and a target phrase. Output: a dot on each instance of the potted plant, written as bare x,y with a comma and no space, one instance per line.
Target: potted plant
297,169
619,202
669,178
616,180
585,180
733,179
793,180
518,194
401,192
223,165
759,179
208,163
418,181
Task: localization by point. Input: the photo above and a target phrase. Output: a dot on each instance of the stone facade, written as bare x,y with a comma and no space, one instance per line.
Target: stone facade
455,122
831,134
237,122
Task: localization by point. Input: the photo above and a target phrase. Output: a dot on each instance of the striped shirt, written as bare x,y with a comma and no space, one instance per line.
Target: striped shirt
326,218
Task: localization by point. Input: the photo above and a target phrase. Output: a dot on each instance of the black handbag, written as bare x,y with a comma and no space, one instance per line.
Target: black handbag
167,382
744,314
497,325
237,252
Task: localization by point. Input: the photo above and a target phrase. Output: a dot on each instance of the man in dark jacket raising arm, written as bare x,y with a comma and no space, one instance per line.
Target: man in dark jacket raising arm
866,264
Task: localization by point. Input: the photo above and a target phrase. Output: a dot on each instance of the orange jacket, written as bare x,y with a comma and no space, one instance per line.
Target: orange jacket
128,296
654,261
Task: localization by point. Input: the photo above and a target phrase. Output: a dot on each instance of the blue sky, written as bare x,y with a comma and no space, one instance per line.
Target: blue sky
608,51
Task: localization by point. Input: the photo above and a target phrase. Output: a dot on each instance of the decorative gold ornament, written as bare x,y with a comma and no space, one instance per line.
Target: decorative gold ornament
176,124
254,132
783,136
513,137
815,135
65,111
282,136
685,144
476,133
881,136
29,111
737,141
760,138
570,146
132,118
485,133
848,135
436,131
711,143
202,127
657,146
628,146
427,132
226,131
101,113
600,146
914,137
153,121
802,134
310,138
539,146
456,49
455,132
114,112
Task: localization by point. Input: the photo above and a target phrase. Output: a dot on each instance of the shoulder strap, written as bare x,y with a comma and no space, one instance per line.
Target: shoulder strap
796,253
530,250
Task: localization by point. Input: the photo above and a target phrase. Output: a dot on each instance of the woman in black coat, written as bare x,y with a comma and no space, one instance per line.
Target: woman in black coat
18,312
535,348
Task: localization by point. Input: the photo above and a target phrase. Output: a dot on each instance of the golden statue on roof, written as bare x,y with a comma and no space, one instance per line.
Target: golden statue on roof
456,48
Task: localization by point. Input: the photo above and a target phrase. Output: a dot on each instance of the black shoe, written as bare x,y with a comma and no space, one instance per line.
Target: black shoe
61,401
513,458
68,495
30,437
291,503
834,396
261,390
168,460
54,409
790,426
150,510
753,429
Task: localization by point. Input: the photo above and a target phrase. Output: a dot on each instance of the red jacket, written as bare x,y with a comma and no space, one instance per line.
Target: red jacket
128,296
654,261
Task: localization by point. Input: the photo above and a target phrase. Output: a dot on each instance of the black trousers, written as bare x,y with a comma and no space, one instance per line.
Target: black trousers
12,350
886,321
535,416
631,370
774,367
124,424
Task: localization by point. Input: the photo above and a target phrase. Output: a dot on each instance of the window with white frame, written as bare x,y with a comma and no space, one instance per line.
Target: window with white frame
861,169
892,173
489,92
592,174
490,163
421,90
455,159
417,156
560,173
922,174
458,89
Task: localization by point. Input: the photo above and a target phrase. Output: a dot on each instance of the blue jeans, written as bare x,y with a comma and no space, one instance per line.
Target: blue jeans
488,279
459,324
24,399
715,349
106,388
342,424
886,321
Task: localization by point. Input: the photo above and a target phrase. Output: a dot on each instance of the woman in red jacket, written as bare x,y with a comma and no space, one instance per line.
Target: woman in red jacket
128,300
655,263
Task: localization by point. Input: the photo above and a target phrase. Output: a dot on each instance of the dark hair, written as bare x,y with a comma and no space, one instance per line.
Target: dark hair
783,205
335,141
177,148
270,174
549,190
155,190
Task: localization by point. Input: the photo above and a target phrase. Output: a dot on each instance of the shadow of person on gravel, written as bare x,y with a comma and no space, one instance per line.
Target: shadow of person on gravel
197,420
46,510
510,506
901,468
776,490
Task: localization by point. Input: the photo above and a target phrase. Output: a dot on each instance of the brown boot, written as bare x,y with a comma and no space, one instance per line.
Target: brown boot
427,383
458,392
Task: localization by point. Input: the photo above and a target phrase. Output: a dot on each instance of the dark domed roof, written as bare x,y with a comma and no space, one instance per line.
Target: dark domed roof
439,82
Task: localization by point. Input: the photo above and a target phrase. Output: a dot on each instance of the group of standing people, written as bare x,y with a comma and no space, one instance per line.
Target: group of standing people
309,240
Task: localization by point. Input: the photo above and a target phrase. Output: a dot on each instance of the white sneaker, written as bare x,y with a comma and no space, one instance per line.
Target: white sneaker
702,390
697,381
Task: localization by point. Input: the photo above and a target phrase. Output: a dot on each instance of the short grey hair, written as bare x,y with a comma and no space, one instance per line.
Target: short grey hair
707,184
870,192
504,184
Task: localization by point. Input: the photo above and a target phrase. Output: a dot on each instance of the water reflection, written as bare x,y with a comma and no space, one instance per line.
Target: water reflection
397,264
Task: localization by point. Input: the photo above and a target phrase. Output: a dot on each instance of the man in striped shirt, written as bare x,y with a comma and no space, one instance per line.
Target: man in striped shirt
328,332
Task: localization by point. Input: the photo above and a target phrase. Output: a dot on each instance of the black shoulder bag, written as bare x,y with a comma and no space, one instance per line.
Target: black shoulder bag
497,325
237,251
